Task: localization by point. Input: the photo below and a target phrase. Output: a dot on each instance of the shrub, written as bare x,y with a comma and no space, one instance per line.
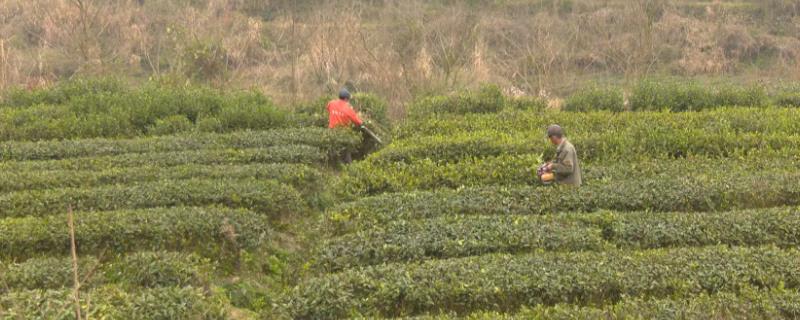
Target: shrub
153,108
526,103
788,96
748,304
64,92
312,112
371,107
699,192
328,140
302,176
197,229
606,136
596,98
276,154
264,196
674,95
506,282
456,235
170,125
488,99
112,302
741,96
141,269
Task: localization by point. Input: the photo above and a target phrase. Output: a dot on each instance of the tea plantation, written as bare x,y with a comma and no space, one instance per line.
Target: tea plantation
683,214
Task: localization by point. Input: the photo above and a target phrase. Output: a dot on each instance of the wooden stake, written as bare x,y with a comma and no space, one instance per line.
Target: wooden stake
76,283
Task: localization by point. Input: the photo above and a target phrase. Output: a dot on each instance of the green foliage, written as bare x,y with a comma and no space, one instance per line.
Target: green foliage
371,107
312,112
680,95
664,193
526,103
264,196
327,140
748,304
301,176
112,302
274,154
488,99
141,269
64,92
85,111
599,135
370,178
454,236
732,95
673,95
451,236
596,98
788,96
506,282
170,125
198,229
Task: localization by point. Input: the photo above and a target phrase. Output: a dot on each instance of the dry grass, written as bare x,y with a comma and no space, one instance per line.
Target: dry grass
298,50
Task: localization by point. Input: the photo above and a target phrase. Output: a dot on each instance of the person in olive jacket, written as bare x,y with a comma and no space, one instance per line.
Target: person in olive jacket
565,166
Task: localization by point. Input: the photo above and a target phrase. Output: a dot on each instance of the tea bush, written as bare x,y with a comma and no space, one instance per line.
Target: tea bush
275,154
451,236
594,99
788,96
327,140
599,136
701,192
303,177
741,120
193,229
748,304
85,109
170,125
455,236
680,95
265,196
113,302
141,269
64,92
487,99
506,282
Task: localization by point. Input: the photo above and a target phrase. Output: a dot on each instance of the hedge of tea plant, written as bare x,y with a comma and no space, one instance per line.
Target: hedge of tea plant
747,304
325,139
741,120
298,154
265,196
369,178
507,282
681,95
114,302
193,229
457,235
701,192
633,142
595,98
108,108
301,176
140,269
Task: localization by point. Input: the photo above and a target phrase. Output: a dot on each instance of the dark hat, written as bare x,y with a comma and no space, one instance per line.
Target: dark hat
344,94
555,130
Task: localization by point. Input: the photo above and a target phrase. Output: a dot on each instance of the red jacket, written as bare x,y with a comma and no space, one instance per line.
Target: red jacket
341,114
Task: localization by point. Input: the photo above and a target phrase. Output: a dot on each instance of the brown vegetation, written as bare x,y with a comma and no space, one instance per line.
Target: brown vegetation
297,50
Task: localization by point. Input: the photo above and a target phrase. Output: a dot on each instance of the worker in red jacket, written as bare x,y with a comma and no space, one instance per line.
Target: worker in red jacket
341,114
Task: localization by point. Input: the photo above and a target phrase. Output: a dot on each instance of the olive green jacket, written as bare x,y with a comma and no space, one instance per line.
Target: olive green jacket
566,166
